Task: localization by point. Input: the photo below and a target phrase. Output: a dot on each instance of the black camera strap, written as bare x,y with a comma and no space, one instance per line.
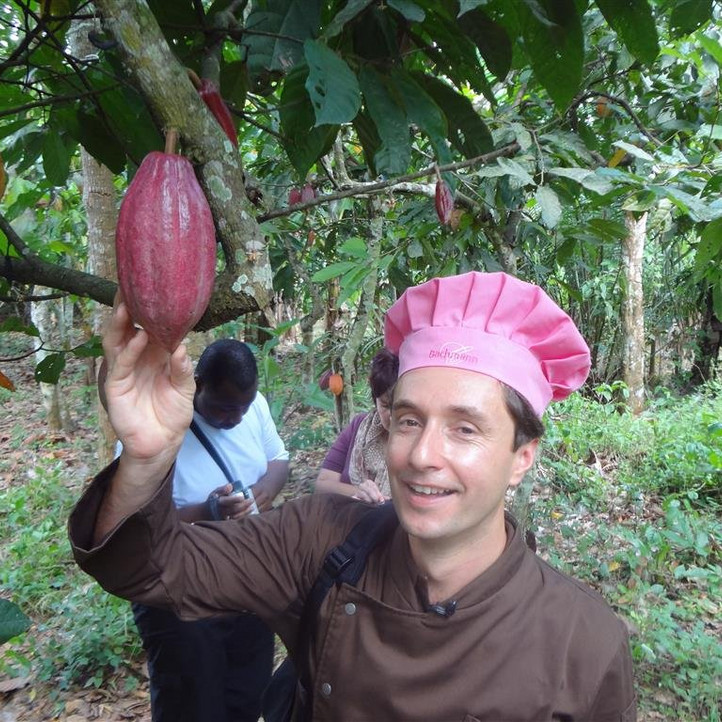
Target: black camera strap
211,450
344,564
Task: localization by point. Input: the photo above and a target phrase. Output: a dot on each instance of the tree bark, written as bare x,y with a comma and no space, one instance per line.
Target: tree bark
377,214
633,354
101,215
51,319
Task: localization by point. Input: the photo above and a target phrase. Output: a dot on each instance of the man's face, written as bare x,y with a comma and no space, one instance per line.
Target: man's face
450,455
223,405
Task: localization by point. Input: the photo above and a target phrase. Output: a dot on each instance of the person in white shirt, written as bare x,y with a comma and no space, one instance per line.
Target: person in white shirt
215,670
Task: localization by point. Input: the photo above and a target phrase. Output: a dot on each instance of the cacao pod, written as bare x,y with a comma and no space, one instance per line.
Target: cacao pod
166,248
308,193
294,196
323,380
444,201
212,98
603,109
6,383
335,384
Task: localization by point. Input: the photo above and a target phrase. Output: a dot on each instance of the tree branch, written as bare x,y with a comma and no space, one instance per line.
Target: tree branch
361,189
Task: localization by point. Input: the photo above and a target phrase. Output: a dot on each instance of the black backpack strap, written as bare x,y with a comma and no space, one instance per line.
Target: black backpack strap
211,450
343,564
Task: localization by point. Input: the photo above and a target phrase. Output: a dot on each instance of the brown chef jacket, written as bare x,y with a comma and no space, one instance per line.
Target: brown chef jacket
525,643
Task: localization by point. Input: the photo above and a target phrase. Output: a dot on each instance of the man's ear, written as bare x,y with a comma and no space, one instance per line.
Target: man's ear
524,458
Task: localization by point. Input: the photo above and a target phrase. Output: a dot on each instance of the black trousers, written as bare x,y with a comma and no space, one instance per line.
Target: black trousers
211,670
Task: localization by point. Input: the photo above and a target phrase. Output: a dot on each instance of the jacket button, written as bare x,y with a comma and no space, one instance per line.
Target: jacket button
350,608
326,689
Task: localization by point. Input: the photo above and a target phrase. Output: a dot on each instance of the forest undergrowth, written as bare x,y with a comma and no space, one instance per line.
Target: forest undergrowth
631,505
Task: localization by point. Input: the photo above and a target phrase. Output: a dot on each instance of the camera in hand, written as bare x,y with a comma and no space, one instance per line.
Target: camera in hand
246,493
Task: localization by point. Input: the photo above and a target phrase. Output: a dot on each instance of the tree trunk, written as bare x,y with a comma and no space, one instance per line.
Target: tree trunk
99,199
377,213
50,318
633,354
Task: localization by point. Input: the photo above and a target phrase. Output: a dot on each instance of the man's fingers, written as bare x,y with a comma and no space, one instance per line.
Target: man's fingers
181,369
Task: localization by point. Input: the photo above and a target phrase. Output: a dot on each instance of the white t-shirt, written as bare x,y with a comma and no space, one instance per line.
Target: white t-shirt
246,450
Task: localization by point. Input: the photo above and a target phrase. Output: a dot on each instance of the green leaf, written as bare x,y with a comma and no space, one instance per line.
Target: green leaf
711,46
423,112
713,132
368,136
491,39
31,146
9,128
349,12
331,85
303,142
709,249
515,170
554,42
131,123
12,97
355,247
56,158
49,369
389,117
588,179
280,27
410,10
467,131
551,208
635,151
635,25
717,299
333,271
94,137
92,348
688,15
415,249
234,83
352,281
13,323
12,620
565,251
467,5
454,54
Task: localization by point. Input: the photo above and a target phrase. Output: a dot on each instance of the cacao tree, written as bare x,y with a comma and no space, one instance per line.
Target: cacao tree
547,120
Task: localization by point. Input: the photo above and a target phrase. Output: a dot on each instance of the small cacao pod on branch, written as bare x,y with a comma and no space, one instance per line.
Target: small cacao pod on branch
211,96
444,201
294,196
323,380
335,384
308,193
165,247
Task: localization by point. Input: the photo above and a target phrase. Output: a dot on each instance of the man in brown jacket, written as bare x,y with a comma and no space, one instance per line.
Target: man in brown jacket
453,618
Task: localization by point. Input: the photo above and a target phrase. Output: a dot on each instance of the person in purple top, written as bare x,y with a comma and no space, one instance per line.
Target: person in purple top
356,463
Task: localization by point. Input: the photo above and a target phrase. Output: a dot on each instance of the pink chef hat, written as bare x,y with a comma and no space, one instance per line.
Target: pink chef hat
492,323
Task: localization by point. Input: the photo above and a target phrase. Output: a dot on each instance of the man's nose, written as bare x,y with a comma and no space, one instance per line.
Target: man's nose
427,451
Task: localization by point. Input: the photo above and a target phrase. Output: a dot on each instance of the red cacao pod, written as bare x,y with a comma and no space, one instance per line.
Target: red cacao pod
335,384
444,201
294,196
323,380
166,248
308,193
211,96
